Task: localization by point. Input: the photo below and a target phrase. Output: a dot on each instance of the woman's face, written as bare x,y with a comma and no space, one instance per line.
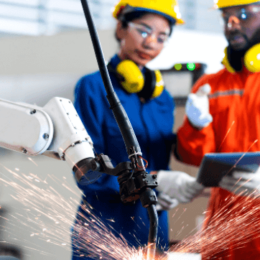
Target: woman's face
143,39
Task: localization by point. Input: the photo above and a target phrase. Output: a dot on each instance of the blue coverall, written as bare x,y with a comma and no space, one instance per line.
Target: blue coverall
153,124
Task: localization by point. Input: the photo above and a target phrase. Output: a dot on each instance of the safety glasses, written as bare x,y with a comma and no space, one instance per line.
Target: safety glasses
242,15
145,32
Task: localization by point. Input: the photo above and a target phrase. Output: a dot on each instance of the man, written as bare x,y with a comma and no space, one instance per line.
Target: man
223,114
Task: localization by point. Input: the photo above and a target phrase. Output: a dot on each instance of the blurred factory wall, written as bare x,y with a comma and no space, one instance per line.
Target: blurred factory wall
72,52
69,52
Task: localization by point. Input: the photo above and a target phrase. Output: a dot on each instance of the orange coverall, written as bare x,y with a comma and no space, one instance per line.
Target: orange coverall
235,108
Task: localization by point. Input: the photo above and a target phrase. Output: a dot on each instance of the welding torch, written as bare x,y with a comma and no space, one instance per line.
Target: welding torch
135,183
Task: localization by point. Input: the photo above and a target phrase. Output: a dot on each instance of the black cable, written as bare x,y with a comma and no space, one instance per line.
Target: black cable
130,140
153,216
153,230
98,49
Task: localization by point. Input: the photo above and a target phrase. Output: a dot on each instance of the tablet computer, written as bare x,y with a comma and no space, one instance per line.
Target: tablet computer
215,166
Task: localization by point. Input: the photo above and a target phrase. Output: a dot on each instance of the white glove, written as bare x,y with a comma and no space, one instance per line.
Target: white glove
197,107
165,202
178,185
242,183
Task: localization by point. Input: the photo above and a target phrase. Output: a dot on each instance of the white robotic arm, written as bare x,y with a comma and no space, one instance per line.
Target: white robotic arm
54,130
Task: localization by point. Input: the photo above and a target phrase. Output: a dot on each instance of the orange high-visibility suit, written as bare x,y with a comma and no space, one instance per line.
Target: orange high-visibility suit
235,107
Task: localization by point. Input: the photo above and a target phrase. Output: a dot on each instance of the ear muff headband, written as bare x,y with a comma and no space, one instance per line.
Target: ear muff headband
150,85
153,86
251,60
226,63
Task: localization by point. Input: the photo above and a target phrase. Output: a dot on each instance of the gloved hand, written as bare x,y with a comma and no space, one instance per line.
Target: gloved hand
242,183
165,202
197,107
178,185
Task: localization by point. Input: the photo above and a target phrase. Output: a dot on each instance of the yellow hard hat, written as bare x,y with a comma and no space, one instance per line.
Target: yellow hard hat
227,3
167,8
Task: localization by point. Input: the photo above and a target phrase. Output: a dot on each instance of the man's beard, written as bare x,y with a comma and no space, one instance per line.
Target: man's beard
235,57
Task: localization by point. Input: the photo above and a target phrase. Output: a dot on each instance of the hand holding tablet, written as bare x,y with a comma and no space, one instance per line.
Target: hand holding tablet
215,166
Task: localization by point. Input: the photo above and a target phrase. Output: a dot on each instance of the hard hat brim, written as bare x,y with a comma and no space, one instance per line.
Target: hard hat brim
172,20
231,4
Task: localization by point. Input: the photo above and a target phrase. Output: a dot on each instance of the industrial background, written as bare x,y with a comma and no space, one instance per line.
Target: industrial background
45,48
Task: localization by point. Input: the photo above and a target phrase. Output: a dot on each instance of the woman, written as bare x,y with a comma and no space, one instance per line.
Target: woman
143,28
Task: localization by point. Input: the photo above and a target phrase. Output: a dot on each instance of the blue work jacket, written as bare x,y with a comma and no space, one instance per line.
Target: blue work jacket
153,125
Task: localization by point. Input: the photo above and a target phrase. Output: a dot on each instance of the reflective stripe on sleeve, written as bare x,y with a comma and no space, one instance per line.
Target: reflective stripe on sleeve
232,92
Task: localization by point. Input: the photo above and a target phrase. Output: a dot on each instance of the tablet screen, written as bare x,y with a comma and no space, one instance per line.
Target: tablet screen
214,166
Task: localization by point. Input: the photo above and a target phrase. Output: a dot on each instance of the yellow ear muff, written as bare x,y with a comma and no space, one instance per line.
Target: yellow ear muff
159,86
149,85
133,77
226,63
252,58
